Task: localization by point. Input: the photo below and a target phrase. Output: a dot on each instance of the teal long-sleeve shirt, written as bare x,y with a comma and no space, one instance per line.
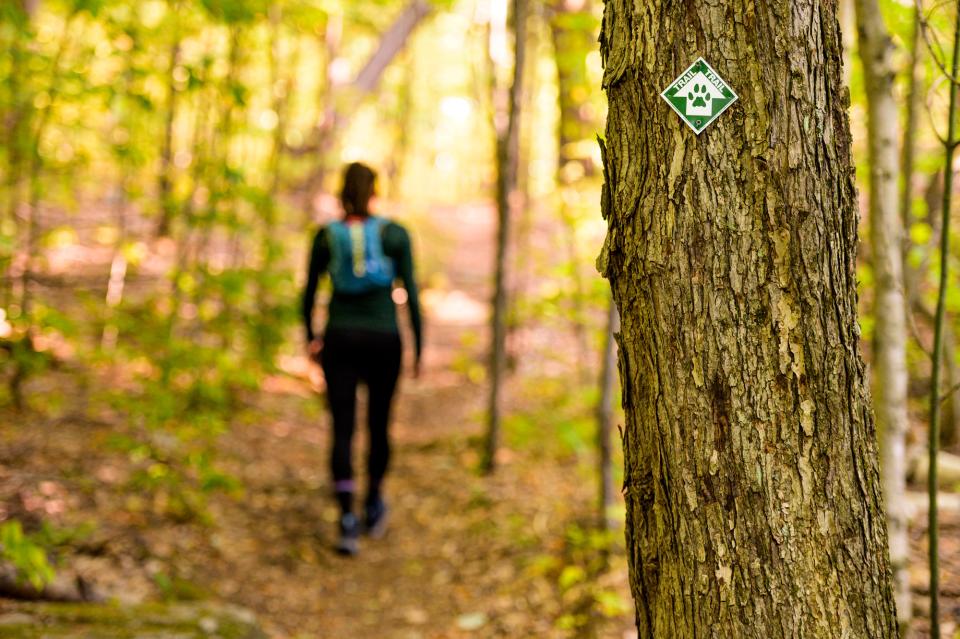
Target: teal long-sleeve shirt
374,310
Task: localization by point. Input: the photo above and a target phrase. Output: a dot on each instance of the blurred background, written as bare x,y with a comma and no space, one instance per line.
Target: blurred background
163,439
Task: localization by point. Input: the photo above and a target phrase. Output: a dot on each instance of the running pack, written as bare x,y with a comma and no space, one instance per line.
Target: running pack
357,261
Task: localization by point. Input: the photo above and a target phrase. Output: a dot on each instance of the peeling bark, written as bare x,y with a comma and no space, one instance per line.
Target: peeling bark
752,487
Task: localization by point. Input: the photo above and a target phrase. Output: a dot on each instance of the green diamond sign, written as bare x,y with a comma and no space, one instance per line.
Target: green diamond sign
699,95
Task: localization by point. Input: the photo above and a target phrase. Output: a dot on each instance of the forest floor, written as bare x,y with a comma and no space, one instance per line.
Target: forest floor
466,556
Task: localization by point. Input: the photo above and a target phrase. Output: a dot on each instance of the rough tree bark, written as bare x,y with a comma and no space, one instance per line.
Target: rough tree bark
752,486
890,378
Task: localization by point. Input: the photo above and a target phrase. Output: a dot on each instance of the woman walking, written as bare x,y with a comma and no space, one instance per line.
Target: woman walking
364,255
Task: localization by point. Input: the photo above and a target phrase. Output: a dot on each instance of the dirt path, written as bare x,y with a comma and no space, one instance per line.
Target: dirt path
454,559
465,555
460,559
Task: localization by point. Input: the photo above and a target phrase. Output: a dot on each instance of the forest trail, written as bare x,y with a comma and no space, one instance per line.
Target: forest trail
465,555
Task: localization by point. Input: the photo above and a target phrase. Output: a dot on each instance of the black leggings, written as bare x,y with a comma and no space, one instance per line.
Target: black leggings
349,357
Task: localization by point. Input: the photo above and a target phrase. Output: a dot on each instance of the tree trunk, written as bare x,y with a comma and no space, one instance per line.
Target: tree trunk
939,323
605,419
753,493
165,178
573,31
914,98
17,123
336,113
117,279
951,403
889,305
506,120
913,279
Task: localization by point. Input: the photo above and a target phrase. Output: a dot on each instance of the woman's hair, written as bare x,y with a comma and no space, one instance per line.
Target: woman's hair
359,183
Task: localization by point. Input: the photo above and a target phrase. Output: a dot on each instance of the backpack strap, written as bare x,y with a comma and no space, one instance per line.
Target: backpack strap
335,231
379,225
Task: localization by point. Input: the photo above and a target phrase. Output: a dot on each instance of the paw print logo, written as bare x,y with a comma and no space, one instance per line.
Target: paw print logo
698,100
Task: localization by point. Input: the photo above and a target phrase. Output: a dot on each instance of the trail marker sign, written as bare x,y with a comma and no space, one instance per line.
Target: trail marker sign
699,95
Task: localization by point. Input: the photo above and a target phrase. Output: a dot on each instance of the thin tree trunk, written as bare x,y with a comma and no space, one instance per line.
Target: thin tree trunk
890,379
281,89
605,419
335,114
950,412
391,43
933,438
578,319
165,184
23,273
914,275
572,30
221,190
522,259
36,165
506,105
753,494
914,108
404,122
118,270
116,281
16,128
184,260
329,119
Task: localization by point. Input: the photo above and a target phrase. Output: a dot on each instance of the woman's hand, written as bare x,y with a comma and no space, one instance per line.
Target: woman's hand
314,348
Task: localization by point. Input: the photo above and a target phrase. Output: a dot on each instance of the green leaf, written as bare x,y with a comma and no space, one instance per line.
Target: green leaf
571,575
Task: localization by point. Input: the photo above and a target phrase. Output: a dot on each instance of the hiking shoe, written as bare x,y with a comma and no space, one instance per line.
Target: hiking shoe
349,534
376,519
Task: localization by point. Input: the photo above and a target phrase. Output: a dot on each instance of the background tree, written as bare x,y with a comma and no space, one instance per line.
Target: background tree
936,398
889,355
573,33
507,98
752,482
608,365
